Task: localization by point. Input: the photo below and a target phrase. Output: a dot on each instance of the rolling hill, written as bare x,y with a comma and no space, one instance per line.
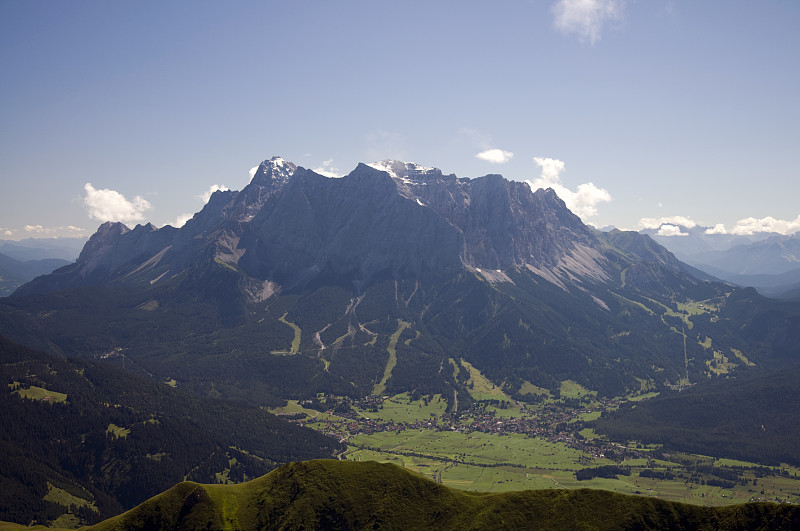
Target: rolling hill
369,495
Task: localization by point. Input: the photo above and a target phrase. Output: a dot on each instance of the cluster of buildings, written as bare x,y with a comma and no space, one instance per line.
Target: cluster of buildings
557,422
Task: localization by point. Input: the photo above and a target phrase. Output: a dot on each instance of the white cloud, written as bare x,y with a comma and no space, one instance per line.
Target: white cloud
181,220
671,230
749,226
253,171
39,229
495,156
654,223
110,205
719,228
7,232
586,18
551,168
582,202
328,169
205,196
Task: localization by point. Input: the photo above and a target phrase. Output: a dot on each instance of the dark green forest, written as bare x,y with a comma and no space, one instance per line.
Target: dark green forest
753,419
118,439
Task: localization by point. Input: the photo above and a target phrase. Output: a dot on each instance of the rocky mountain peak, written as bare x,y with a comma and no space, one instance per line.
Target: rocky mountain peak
269,179
274,171
549,195
107,235
291,226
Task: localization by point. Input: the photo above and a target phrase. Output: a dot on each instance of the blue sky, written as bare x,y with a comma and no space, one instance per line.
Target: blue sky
632,110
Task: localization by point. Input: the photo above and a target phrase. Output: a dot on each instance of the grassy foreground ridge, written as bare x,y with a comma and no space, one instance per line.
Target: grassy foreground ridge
330,494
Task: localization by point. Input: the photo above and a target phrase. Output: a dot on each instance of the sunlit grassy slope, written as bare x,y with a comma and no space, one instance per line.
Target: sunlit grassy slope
330,494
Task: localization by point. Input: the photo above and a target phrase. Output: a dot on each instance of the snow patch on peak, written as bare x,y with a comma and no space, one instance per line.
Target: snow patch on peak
385,165
408,176
404,171
274,169
279,163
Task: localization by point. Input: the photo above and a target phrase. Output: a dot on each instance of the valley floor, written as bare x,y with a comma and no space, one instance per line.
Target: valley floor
503,445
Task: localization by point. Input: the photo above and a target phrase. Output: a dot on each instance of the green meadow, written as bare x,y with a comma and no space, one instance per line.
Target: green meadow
488,462
380,387
295,346
400,408
38,393
421,436
495,463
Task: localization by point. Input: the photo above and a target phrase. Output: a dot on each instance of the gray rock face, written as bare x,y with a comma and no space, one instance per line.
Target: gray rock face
351,228
111,253
114,246
291,227
232,206
504,224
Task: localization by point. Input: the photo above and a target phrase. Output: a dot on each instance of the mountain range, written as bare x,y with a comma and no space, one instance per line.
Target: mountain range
377,281
24,260
14,273
66,249
394,278
768,262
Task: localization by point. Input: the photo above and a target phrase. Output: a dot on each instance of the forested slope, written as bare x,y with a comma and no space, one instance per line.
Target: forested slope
83,434
752,419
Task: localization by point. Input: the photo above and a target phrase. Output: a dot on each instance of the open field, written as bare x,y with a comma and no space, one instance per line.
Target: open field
480,386
293,407
62,497
39,393
117,431
421,436
400,408
481,449
494,463
295,347
570,389
645,396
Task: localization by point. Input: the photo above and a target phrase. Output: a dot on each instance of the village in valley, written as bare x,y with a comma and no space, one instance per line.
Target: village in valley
558,421
499,444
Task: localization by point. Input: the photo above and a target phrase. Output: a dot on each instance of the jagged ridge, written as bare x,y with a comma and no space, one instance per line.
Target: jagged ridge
291,225
296,283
